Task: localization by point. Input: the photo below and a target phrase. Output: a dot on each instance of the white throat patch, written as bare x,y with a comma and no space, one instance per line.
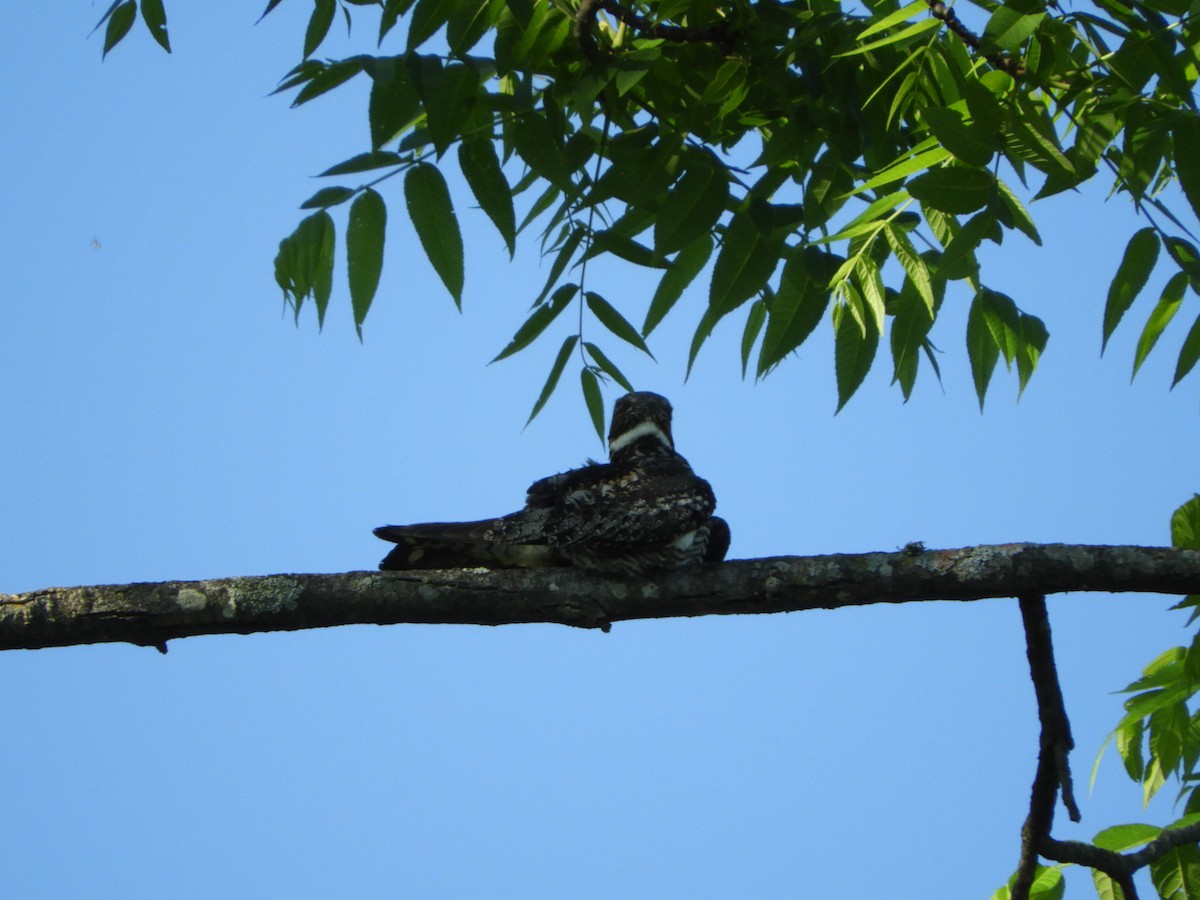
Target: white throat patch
641,430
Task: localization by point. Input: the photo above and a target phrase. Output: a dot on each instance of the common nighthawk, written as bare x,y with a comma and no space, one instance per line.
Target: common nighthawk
643,511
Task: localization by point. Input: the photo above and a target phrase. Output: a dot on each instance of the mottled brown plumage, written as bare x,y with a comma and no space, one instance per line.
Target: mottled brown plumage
643,511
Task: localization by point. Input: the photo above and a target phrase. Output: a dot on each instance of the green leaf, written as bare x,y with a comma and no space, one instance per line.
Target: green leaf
623,247
449,98
593,399
869,281
364,252
1129,740
155,18
560,363
481,167
1161,316
1176,875
1187,258
924,156
1032,345
541,318
432,214
755,319
318,25
895,18
1017,213
972,144
744,263
684,268
327,197
1141,255
469,22
1185,525
910,326
120,20
1007,28
913,265
615,322
395,104
954,189
1185,135
1002,319
565,252
365,162
853,351
904,35
427,18
869,218
693,206
981,347
607,365
304,264
797,306
958,259
1189,353
537,143
327,78
392,10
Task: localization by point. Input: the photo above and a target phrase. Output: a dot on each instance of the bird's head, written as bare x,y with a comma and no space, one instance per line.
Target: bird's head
641,423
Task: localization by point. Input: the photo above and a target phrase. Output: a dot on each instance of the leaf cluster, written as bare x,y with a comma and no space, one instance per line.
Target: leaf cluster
817,161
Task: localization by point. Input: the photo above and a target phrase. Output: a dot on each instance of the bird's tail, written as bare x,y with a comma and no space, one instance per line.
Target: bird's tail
456,545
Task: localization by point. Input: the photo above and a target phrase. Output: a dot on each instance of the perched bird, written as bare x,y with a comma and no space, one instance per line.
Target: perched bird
643,511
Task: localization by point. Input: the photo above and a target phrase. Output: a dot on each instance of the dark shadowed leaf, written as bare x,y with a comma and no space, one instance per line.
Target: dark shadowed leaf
954,189
537,144
693,205
120,20
481,167
565,252
607,365
304,264
432,214
270,6
593,399
318,25
1007,28
365,162
971,143
615,322
1141,254
541,318
394,104
327,197
797,306
684,269
1188,354
428,16
155,18
449,99
556,370
1185,135
364,252
744,263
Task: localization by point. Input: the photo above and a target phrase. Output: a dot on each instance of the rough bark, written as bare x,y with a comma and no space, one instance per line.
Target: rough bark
152,614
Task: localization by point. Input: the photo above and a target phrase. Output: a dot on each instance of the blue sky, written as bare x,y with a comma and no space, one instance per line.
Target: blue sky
166,420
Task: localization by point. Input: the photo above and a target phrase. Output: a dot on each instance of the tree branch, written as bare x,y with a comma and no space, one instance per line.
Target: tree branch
151,614
1053,770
